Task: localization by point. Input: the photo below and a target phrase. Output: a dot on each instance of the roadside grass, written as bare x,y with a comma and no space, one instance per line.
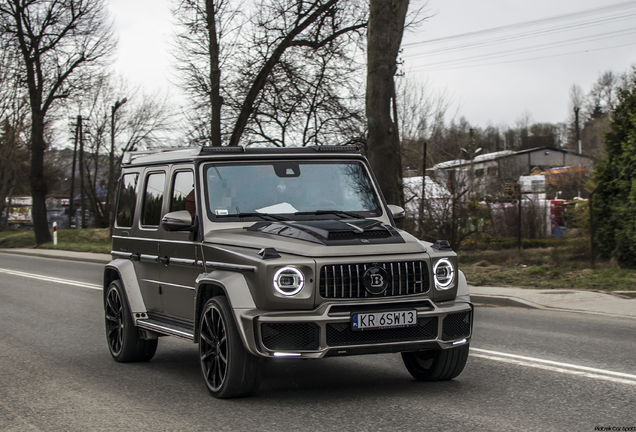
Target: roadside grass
566,264
96,240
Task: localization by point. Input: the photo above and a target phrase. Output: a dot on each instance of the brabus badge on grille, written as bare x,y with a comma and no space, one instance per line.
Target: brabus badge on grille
364,240
375,280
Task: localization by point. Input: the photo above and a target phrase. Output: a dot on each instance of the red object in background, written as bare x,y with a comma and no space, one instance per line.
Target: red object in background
556,214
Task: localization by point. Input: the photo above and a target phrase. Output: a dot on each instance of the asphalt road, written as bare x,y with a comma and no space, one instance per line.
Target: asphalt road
56,373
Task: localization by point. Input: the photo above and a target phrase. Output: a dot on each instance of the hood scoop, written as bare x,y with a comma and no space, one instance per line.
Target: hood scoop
333,232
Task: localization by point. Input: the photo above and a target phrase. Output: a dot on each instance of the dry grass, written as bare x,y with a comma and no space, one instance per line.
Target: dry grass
95,240
567,266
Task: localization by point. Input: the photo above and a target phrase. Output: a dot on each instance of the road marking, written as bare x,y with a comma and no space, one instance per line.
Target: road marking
554,366
52,279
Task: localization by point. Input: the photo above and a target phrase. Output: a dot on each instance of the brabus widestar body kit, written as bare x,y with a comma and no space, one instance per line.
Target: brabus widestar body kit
265,253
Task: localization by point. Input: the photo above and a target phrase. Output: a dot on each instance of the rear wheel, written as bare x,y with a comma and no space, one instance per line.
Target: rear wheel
228,369
123,338
436,365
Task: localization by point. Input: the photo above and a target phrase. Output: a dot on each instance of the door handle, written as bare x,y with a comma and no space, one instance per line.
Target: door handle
164,260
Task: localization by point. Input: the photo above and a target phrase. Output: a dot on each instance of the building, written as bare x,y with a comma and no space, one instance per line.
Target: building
486,174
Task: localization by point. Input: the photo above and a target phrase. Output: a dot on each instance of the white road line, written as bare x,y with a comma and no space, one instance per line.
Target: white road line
52,279
550,365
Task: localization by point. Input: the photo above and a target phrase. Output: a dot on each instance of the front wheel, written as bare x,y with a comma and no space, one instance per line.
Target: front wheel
228,369
123,338
436,365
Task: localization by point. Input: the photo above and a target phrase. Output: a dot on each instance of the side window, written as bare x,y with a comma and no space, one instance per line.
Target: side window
127,200
153,198
183,192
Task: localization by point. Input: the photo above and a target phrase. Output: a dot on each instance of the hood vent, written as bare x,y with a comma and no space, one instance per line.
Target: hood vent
333,232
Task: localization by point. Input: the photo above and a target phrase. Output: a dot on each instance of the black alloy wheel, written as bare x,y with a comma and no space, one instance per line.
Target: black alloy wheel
436,365
114,322
124,341
213,348
228,369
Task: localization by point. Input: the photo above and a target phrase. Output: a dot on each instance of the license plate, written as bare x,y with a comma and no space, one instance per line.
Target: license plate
383,320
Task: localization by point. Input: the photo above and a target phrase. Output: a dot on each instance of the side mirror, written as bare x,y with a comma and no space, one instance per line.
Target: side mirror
397,212
177,221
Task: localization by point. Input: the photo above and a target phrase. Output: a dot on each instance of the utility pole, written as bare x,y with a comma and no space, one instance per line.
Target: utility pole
111,163
72,192
421,209
81,170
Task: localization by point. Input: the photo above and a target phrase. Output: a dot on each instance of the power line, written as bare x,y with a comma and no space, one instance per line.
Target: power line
509,38
534,48
520,25
443,68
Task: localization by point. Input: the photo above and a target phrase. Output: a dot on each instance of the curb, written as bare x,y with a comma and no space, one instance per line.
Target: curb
38,254
505,301
517,302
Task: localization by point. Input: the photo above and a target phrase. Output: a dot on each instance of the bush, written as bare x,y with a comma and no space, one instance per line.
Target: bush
615,200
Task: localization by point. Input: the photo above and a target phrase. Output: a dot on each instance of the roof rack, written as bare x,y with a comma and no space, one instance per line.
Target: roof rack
265,150
192,152
130,156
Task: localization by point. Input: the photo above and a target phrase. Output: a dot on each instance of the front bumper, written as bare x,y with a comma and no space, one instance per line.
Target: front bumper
326,331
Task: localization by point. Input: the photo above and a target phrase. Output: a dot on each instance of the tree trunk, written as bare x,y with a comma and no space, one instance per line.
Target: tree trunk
38,182
215,75
386,25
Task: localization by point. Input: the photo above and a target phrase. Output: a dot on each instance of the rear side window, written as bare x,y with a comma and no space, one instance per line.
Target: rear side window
183,192
153,198
127,200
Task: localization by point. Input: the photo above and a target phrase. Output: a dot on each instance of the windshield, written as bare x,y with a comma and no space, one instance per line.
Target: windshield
340,189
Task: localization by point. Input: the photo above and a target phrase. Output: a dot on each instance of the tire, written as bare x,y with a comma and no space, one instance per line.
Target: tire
436,365
124,341
229,371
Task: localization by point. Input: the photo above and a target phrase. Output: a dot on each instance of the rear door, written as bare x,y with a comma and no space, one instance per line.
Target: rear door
146,243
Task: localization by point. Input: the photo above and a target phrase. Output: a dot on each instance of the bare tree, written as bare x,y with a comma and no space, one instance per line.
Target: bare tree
142,122
386,27
577,100
313,93
210,29
58,42
292,51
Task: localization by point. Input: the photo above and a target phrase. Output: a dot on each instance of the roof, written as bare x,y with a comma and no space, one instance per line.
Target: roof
493,156
167,155
499,155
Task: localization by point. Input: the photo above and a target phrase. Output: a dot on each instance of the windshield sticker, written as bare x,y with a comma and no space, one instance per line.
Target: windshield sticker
278,208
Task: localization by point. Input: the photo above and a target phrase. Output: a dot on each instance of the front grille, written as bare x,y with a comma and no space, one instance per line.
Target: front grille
342,335
345,280
290,336
456,326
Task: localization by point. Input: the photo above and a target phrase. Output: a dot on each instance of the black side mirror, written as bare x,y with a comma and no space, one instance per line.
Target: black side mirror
177,221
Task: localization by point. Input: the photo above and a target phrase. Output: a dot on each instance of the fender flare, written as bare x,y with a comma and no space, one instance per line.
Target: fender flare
128,277
462,287
235,288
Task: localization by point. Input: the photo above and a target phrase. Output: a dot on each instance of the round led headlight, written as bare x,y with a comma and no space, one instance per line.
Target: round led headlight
289,281
444,274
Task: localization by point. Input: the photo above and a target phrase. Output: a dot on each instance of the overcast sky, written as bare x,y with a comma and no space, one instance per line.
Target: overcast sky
518,56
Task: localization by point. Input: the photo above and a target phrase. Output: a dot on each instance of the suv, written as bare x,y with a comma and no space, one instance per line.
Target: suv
259,253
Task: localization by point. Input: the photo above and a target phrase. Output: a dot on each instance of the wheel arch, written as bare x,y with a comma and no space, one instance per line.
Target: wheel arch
231,285
124,270
462,287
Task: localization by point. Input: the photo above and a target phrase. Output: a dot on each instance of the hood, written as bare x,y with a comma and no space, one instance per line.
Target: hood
321,238
333,232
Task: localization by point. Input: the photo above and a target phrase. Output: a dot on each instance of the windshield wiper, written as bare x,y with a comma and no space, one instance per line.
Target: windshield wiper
265,216
342,214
